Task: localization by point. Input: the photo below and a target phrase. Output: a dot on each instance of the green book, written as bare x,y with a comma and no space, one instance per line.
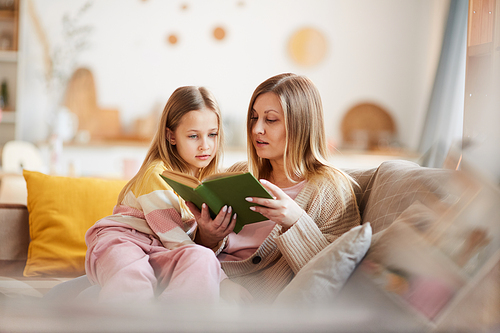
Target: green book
229,189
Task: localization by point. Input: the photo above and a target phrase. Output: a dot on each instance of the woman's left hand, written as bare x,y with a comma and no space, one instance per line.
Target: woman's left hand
282,209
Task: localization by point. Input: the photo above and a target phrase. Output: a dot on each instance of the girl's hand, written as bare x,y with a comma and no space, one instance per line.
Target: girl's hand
282,209
211,232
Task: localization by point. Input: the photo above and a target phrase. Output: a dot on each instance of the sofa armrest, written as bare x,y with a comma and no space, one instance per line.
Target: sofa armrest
12,269
14,232
14,243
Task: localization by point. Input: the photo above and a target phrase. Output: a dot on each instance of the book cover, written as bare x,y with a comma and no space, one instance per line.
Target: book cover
218,190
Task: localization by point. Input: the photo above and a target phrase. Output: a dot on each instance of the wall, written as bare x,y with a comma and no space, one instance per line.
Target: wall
383,51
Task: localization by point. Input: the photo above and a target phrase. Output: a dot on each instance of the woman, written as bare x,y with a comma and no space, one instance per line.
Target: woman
314,202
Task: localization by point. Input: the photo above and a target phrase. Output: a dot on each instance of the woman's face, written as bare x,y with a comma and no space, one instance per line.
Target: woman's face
268,127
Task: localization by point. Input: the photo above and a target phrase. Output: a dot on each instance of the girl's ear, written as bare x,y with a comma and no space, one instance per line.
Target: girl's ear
171,136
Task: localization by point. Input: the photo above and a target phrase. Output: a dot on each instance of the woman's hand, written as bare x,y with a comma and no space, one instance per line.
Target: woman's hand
211,232
282,209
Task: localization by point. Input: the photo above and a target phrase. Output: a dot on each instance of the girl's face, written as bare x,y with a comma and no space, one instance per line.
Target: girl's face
196,138
268,127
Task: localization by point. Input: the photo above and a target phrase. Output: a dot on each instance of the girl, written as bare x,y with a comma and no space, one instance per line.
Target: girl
144,250
314,202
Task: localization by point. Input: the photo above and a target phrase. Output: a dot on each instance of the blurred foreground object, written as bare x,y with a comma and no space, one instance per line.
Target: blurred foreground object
439,261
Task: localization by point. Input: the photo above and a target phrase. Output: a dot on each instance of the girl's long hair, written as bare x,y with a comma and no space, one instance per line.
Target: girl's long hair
306,149
182,101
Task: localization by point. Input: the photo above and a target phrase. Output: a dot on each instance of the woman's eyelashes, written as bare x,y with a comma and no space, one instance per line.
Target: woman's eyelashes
267,120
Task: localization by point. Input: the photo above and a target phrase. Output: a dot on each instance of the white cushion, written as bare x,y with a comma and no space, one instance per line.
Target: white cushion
323,277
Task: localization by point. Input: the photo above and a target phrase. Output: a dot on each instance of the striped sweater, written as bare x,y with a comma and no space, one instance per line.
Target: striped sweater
153,208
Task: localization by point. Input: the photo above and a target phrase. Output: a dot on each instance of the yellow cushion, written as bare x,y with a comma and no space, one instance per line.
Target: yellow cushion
61,210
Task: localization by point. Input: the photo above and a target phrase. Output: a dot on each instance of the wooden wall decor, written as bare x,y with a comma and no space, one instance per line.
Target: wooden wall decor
81,99
367,126
307,46
172,39
219,33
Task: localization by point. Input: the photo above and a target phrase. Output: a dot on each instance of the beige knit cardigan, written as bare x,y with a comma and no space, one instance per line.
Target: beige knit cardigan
282,255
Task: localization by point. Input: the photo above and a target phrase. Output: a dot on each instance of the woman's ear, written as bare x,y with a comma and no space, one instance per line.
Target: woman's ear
171,136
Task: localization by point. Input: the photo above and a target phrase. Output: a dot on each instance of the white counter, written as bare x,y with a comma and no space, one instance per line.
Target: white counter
123,159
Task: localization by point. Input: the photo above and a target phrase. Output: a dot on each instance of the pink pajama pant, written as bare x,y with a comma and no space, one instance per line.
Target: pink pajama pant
131,265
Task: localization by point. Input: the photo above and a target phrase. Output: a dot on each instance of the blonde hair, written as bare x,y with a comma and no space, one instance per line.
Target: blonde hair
306,149
182,101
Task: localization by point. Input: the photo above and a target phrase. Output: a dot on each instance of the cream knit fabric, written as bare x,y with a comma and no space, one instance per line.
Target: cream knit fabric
282,255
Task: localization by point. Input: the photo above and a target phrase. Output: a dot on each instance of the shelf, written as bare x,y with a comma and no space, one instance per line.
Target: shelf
8,56
8,117
9,20
7,14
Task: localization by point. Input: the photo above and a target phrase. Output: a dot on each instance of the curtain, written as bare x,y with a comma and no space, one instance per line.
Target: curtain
444,120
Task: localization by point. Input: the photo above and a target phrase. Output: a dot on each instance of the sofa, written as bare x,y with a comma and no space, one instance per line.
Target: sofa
431,263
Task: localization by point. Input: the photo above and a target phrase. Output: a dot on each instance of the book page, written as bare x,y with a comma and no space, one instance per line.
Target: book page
182,178
221,175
